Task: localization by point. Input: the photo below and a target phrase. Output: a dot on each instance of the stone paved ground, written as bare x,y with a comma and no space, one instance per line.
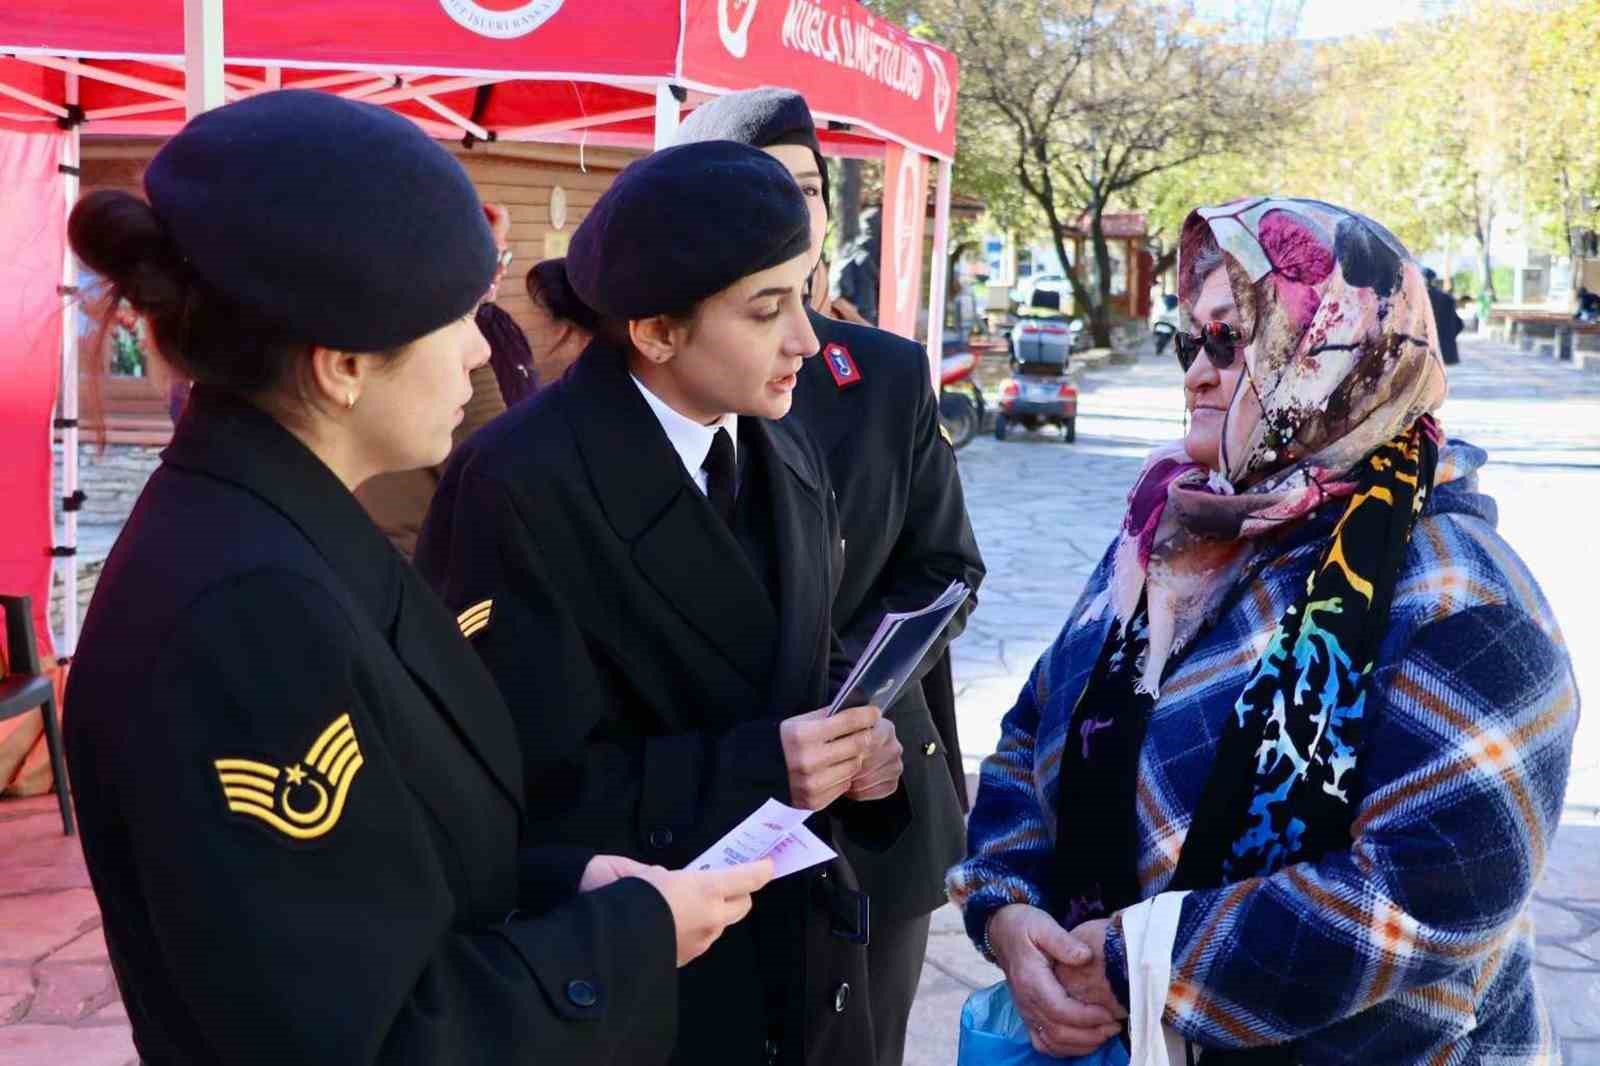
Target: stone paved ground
1044,511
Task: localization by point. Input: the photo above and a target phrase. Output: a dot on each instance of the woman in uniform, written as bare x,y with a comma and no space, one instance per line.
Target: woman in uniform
300,792
674,551
870,404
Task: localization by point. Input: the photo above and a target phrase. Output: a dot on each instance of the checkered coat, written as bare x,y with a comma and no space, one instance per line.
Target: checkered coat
1415,944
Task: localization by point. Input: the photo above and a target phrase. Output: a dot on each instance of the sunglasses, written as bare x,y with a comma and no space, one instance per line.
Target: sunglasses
1220,341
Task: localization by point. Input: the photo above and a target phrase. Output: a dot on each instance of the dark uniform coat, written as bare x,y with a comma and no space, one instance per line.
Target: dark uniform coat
648,663
301,795
904,522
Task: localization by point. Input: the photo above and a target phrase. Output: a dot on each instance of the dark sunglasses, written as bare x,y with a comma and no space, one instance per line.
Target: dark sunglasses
1220,341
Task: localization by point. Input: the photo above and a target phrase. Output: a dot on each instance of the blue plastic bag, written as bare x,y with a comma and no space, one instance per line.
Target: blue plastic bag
994,1034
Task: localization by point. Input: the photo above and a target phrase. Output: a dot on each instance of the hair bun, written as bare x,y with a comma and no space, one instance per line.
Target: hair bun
548,284
121,238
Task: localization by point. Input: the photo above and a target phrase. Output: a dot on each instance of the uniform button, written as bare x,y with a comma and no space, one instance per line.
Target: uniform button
660,837
582,994
930,748
841,997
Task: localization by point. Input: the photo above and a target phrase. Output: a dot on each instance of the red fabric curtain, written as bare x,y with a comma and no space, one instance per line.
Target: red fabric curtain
32,235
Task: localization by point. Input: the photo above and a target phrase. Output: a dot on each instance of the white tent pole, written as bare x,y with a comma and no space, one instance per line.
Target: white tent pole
202,55
71,158
666,115
939,280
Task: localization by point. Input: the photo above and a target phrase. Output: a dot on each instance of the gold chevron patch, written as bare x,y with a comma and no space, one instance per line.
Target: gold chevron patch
304,800
475,618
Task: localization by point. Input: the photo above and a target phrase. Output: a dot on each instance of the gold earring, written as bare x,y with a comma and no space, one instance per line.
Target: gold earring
349,400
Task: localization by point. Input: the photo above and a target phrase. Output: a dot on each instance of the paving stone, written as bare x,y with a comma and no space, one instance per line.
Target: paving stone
69,991
90,947
1556,922
35,925
113,1013
16,991
56,1045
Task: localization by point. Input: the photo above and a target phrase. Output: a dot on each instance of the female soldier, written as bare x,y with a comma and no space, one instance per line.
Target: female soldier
300,791
870,405
673,553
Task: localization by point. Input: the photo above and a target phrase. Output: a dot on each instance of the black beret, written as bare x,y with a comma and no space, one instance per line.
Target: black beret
760,118
340,222
683,224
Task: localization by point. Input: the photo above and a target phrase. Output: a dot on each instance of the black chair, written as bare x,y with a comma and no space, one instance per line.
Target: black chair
25,686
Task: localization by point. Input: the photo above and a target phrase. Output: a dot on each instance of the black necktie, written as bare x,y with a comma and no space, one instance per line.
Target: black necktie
720,475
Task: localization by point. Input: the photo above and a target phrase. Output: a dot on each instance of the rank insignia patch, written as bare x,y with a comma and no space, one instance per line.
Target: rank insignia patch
303,800
475,618
841,365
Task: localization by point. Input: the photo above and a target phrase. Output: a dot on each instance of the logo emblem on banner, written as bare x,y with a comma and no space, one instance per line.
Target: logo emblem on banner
504,19
736,39
906,205
941,89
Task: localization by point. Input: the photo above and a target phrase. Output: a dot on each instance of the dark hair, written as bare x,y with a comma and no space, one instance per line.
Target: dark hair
548,286
198,331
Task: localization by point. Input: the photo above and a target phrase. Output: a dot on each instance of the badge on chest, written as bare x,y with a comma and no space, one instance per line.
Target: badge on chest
841,365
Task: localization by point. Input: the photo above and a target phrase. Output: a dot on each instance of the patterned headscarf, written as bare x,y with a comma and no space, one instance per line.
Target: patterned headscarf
1341,357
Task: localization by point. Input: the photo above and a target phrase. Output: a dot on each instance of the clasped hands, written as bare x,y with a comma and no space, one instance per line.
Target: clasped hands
855,753
1057,979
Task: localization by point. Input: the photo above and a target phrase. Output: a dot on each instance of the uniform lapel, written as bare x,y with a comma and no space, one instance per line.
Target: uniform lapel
680,546
800,527
436,654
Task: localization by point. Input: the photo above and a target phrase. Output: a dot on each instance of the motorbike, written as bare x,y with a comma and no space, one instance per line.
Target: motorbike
961,405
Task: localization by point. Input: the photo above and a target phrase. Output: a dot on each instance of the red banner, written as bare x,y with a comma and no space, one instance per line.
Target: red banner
33,234
848,63
905,213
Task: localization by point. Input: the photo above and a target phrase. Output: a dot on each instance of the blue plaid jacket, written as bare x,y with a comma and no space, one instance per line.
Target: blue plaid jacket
1415,944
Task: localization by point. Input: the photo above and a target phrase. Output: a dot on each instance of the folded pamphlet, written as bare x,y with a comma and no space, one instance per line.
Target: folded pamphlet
896,649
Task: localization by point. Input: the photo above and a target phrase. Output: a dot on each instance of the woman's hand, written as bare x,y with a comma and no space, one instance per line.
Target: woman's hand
824,754
605,869
1029,945
880,772
705,902
1087,983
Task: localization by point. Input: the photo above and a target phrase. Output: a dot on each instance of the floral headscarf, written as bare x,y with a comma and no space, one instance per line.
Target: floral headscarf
1341,356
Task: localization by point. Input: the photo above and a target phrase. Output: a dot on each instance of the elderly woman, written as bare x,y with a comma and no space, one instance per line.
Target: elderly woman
1308,686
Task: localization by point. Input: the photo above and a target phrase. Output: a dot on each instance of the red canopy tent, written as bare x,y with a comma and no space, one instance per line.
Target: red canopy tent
619,73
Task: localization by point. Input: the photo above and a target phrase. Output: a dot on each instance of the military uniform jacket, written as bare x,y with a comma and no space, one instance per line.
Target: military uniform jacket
904,521
301,796
648,667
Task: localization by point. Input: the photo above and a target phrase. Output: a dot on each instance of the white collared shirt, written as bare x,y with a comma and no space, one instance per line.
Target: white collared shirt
689,438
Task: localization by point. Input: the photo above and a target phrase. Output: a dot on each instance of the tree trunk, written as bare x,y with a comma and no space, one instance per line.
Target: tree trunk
847,201
1100,309
1487,288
